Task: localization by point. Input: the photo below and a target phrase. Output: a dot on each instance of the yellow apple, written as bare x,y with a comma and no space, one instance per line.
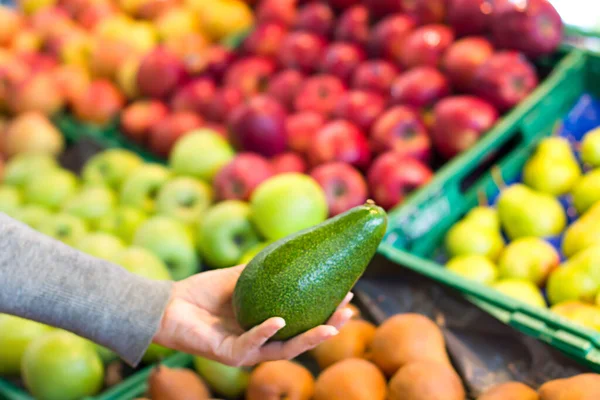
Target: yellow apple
224,18
126,77
142,36
177,22
31,6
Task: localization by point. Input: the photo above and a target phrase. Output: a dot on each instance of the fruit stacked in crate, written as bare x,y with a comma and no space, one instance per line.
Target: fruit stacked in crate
538,241
373,95
403,358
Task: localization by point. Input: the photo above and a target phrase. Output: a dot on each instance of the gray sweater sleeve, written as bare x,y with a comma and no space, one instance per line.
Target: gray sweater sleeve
46,281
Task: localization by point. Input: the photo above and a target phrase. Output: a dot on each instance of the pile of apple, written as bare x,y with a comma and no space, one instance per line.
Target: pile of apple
371,94
83,55
552,224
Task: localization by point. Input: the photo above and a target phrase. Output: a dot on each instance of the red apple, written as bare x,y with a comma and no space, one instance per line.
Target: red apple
224,101
315,17
100,103
10,23
38,62
375,75
265,40
250,75
38,92
419,87
505,79
259,126
360,107
152,9
382,8
214,62
94,13
353,26
238,179
393,177
319,93
288,162
343,4
160,73
463,58
425,11
344,186
387,36
165,133
340,140
216,127
139,117
278,11
284,86
459,122
301,50
196,96
401,129
469,17
535,29
342,59
425,46
301,128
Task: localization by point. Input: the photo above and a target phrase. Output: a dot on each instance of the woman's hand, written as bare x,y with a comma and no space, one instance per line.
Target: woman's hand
199,320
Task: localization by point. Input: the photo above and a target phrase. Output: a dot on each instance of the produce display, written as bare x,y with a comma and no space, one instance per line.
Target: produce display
403,358
539,241
352,88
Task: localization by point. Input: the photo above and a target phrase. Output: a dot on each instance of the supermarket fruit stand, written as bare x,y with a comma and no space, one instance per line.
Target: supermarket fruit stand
414,235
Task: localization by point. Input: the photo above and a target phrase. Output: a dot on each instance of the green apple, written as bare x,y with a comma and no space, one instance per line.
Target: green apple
15,335
92,203
474,267
100,245
172,242
287,203
51,188
467,237
590,148
226,233
111,167
528,258
156,353
122,222
10,200
141,187
521,289
184,199
200,154
142,262
64,227
62,366
570,282
583,314
32,215
229,382
22,167
252,252
586,192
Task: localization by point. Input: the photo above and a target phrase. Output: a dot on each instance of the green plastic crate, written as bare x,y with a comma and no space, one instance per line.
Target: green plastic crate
417,227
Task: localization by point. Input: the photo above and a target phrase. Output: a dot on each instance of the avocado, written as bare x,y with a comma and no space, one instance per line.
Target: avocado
303,278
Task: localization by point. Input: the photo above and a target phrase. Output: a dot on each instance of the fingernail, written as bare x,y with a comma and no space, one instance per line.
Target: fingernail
331,331
279,323
347,313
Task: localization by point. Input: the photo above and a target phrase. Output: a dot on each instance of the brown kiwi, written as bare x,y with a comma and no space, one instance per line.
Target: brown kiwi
280,380
426,380
510,391
176,384
407,338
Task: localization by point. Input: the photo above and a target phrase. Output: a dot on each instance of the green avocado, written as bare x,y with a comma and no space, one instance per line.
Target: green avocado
303,278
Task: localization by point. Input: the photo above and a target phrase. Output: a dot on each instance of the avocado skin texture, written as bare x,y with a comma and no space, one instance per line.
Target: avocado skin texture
303,278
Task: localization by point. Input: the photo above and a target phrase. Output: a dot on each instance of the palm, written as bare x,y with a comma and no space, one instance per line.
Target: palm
200,320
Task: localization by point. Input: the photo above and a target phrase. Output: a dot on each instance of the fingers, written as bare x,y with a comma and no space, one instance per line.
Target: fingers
251,341
298,345
340,317
346,301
